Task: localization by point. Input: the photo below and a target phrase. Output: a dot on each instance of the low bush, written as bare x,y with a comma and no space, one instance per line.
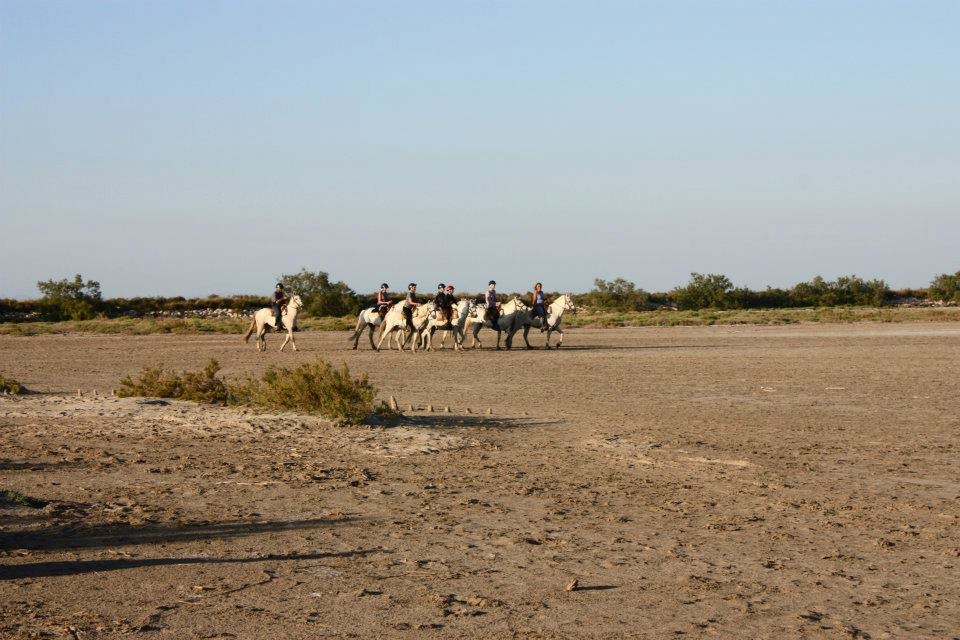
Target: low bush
159,382
614,295
946,287
845,290
9,385
70,299
705,291
314,387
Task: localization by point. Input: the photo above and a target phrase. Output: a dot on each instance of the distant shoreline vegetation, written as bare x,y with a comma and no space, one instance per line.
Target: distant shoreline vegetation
76,305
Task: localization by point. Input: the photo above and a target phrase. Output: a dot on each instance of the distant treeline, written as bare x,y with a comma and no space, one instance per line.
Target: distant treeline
78,299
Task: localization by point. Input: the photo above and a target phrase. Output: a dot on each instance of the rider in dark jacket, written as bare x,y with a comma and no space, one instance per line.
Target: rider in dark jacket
279,301
492,313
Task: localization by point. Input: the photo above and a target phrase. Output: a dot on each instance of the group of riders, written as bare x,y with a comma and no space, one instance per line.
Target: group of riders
444,302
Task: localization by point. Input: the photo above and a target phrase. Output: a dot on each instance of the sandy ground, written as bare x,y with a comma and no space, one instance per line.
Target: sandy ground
795,481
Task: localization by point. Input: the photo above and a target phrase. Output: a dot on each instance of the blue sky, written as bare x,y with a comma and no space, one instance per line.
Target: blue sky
205,147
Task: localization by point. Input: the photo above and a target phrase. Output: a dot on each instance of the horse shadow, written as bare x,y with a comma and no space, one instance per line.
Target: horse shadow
74,536
68,537
76,567
459,421
619,347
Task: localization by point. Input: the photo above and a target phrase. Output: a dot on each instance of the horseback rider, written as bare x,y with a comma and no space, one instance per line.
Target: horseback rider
411,303
383,302
449,300
440,300
279,301
539,306
492,313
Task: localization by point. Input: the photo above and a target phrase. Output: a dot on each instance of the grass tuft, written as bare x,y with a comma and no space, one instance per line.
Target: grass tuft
15,497
9,385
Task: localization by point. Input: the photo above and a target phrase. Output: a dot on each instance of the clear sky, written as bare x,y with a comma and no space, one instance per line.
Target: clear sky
205,147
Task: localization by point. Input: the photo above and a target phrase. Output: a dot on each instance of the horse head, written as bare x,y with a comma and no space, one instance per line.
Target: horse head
295,302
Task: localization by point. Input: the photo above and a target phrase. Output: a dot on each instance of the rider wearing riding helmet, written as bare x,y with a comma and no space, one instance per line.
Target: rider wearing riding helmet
411,303
493,307
440,299
279,300
383,302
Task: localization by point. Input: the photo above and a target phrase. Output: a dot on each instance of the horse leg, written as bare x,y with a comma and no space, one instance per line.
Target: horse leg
370,335
357,331
383,336
526,332
560,341
510,332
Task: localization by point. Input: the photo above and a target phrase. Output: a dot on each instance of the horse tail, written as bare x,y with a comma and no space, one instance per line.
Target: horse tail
253,325
358,329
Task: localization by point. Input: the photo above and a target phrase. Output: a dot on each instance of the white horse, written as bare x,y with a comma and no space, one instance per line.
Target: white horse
368,319
421,318
554,316
458,322
264,318
395,324
508,314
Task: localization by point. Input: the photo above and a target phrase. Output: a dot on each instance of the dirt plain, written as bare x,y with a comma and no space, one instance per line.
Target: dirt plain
796,481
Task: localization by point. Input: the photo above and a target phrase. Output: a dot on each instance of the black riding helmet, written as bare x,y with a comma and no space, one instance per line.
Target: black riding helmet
411,285
441,286
493,282
279,285
384,286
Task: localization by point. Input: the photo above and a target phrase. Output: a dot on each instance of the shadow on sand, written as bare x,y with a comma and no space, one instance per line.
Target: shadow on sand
619,347
27,465
74,567
72,536
454,421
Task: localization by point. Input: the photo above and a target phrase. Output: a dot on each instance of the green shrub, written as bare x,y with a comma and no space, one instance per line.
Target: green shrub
314,387
710,291
70,299
615,295
946,287
322,297
158,382
845,290
15,497
9,385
